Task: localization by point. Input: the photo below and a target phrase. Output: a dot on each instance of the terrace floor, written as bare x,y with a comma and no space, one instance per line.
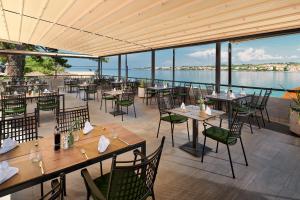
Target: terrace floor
273,171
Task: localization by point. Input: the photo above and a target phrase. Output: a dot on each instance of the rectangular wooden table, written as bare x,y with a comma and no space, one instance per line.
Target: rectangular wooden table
193,112
223,97
66,161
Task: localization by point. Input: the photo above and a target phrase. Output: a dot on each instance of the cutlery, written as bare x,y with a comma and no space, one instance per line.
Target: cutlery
84,153
41,166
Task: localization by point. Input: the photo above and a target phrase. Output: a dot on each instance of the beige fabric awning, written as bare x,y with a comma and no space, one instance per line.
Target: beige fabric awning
106,27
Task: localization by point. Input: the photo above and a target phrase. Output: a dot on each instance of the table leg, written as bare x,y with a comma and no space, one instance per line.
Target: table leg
146,96
194,148
117,111
229,107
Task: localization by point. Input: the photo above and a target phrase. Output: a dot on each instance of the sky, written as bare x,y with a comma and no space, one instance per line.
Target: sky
268,50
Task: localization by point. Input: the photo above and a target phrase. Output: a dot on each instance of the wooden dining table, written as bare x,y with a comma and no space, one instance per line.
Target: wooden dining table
193,112
66,161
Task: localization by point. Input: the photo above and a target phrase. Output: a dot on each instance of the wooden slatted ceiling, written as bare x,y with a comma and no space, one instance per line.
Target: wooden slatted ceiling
106,27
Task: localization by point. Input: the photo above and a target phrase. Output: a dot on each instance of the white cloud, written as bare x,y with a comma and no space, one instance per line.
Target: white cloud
298,49
251,54
203,54
293,57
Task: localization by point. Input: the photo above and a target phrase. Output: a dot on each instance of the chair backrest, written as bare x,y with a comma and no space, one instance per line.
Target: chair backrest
209,89
165,102
235,128
18,88
56,193
48,99
73,118
92,88
21,129
265,98
128,96
13,104
134,179
196,92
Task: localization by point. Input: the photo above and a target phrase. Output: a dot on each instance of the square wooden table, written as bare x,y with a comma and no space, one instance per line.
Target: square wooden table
193,112
66,161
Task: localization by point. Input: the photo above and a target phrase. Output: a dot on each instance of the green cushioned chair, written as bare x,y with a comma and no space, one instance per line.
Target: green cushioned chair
13,104
127,99
224,136
127,179
166,103
47,102
105,97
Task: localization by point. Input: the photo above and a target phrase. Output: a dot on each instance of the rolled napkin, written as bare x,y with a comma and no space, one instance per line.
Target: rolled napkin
15,92
232,95
8,144
46,91
115,89
155,86
226,91
6,172
103,143
165,86
208,110
183,106
87,127
213,93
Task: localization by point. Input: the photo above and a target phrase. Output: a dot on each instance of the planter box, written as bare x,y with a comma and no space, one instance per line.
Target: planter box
295,122
141,92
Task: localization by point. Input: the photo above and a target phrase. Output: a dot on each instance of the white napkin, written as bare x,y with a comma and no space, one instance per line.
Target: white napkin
115,89
15,93
183,106
232,95
103,143
213,93
8,144
87,127
225,91
155,86
208,110
6,172
46,91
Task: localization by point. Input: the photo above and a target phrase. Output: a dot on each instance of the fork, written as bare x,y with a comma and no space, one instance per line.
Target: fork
84,153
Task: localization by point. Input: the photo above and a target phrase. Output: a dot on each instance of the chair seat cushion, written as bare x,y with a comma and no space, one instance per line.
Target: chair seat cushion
210,102
124,102
220,135
174,118
14,110
47,106
180,94
109,97
102,183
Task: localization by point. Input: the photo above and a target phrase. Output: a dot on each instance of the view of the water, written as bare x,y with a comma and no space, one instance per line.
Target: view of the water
288,80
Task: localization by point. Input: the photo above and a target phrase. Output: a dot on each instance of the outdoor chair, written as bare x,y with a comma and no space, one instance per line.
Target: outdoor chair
47,102
262,105
19,89
149,94
225,136
209,91
13,104
57,189
127,180
127,99
92,90
180,94
196,94
165,103
66,119
105,97
21,128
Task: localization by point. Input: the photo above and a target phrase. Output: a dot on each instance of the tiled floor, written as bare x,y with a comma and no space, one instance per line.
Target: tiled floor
273,171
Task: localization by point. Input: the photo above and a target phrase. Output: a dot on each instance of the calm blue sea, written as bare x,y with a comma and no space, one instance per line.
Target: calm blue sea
288,80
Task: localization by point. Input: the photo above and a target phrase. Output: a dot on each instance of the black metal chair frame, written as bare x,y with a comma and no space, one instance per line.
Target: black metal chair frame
10,101
263,105
234,131
21,128
104,88
128,179
57,191
163,106
127,96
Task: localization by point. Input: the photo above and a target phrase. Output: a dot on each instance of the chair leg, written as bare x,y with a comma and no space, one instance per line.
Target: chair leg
203,149
233,176
101,104
262,116
217,148
172,132
152,195
127,110
249,121
101,168
122,112
267,114
187,127
256,117
158,128
42,189
134,110
244,152
221,120
105,105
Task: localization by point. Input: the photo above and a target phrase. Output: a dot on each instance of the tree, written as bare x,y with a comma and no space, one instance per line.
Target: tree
16,63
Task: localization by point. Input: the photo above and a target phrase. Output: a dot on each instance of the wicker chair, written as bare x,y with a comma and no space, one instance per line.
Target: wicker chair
21,128
57,191
13,105
127,179
225,136
165,103
127,99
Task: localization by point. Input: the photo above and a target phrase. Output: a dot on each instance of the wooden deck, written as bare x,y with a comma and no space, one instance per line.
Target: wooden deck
273,171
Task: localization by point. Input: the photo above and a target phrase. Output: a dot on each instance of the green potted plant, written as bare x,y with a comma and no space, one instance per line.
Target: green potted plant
295,114
141,89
